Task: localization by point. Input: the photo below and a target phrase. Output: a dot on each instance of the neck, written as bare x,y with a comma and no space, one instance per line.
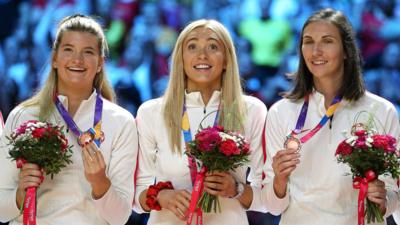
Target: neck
75,98
206,91
328,88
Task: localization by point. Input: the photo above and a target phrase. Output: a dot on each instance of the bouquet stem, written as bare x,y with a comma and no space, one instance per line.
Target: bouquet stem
373,212
209,202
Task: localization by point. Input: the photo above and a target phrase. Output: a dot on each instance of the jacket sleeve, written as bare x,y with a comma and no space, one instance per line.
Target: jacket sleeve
274,136
9,172
147,153
256,120
391,126
116,205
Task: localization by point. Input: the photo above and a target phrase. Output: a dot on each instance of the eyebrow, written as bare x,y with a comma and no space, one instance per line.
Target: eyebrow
325,36
209,39
69,45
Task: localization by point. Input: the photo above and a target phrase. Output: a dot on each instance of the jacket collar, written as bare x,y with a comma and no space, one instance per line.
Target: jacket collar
194,99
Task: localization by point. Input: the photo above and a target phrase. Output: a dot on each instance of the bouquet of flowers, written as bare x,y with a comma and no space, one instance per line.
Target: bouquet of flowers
43,144
369,155
217,150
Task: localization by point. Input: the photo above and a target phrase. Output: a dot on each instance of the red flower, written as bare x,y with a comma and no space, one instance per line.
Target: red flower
207,139
219,128
344,149
246,148
38,132
228,148
385,142
360,133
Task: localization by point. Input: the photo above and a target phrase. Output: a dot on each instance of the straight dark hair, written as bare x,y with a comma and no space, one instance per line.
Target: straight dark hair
353,87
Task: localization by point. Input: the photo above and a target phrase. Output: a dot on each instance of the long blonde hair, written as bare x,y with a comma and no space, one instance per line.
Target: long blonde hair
45,95
232,103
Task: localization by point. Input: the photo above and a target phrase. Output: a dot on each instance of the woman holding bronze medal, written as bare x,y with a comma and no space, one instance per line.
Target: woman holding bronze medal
97,188
304,182
204,87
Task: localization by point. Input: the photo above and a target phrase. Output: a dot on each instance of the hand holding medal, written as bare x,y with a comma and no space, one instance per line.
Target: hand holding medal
95,169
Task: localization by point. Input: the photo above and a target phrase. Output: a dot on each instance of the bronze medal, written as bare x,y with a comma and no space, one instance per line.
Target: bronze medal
292,142
85,137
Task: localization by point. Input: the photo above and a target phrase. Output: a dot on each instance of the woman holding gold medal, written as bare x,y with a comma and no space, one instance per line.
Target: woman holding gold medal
304,182
204,89
97,188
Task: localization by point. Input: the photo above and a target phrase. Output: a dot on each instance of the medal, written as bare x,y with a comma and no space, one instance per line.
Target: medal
94,134
86,137
292,142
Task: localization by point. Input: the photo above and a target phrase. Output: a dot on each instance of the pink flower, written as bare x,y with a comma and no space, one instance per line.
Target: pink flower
344,149
228,148
207,139
361,140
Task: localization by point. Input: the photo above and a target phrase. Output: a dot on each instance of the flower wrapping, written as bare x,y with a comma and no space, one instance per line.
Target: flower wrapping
218,150
368,155
43,144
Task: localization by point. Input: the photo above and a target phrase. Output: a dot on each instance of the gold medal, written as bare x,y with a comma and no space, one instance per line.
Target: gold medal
185,121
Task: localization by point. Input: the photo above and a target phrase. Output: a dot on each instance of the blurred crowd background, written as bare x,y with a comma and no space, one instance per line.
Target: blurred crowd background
141,35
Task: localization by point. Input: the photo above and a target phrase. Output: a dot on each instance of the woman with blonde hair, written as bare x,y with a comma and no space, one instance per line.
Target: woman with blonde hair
204,85
97,188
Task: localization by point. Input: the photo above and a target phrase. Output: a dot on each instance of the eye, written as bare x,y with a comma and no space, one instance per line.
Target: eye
328,40
191,46
67,49
307,41
89,52
214,47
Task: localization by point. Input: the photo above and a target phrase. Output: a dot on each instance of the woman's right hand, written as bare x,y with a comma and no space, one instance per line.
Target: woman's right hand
283,164
30,175
177,201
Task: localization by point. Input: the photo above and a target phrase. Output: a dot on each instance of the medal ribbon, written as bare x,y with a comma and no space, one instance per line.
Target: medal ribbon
71,123
197,177
362,184
29,204
303,114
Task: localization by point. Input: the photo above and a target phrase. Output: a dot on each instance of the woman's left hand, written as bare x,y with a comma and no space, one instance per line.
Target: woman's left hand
220,184
377,194
95,170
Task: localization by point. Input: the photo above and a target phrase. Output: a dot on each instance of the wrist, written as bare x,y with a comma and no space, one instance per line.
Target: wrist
100,189
239,190
152,193
279,187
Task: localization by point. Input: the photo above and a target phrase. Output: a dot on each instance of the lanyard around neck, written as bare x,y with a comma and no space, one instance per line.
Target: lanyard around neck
303,114
71,123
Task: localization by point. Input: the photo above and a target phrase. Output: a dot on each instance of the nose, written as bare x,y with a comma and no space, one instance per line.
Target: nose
317,49
77,57
202,53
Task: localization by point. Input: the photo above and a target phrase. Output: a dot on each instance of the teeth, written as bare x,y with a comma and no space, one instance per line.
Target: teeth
76,69
319,62
202,66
